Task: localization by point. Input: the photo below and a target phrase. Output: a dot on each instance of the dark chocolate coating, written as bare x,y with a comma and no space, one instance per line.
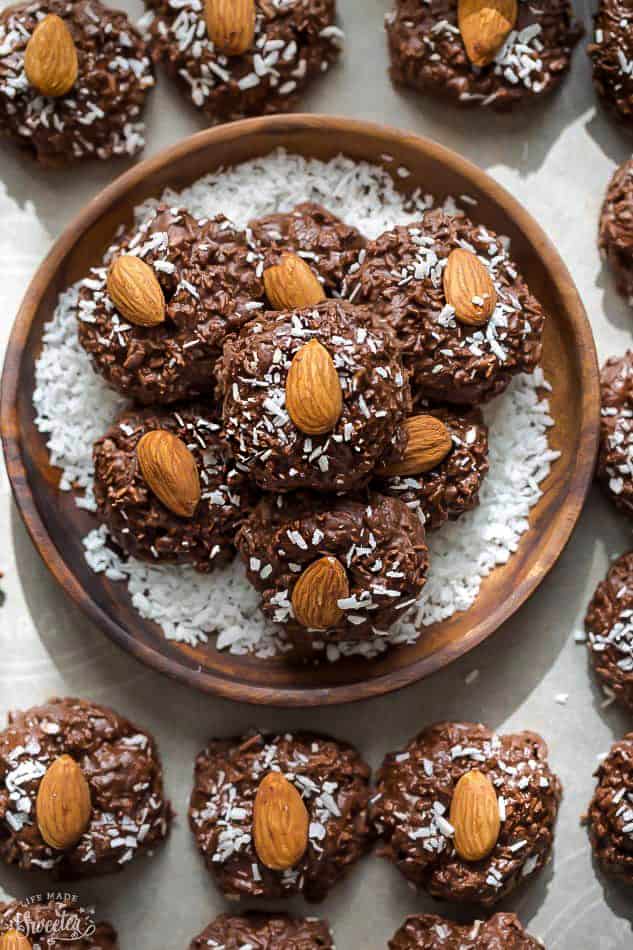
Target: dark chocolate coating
334,783
211,283
327,244
615,458
610,50
379,541
263,437
265,932
52,924
139,523
401,278
452,487
121,765
413,798
610,816
428,53
293,45
609,626
98,117
429,932
616,226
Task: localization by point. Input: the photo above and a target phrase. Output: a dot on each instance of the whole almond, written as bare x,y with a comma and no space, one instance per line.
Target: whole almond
428,444
317,592
468,288
280,823
63,805
485,26
13,940
475,816
50,57
170,470
314,398
135,291
291,284
231,25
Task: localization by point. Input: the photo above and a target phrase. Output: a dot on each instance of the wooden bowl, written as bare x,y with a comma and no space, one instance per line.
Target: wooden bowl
57,526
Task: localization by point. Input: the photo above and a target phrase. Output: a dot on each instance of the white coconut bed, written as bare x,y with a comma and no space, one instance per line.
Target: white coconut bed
74,406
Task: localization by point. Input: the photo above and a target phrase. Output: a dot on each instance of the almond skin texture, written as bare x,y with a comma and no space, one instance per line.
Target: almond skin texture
231,25
50,58
468,288
485,26
316,594
428,444
475,816
280,823
12,940
63,804
291,285
314,398
170,471
135,291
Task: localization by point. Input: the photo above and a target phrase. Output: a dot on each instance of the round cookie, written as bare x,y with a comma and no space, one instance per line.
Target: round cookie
413,807
428,52
56,925
265,932
451,487
610,52
610,816
97,116
328,775
609,626
616,227
615,459
430,932
330,246
365,557
129,814
142,524
249,73
403,278
211,283
356,359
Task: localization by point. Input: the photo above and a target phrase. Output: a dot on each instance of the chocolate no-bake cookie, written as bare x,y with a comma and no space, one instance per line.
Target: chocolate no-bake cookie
254,57
615,459
609,626
73,80
154,526
427,793
610,816
275,816
208,286
611,52
429,932
463,340
55,924
332,569
81,790
313,398
265,932
436,49
450,486
329,246
616,225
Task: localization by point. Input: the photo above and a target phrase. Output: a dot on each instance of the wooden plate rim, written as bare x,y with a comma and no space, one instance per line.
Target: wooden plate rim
284,127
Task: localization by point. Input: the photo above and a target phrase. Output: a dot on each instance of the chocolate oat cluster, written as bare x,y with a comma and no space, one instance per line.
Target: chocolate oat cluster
264,932
429,932
616,227
615,460
54,924
275,816
458,49
81,790
611,52
609,626
73,80
465,814
234,58
610,816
